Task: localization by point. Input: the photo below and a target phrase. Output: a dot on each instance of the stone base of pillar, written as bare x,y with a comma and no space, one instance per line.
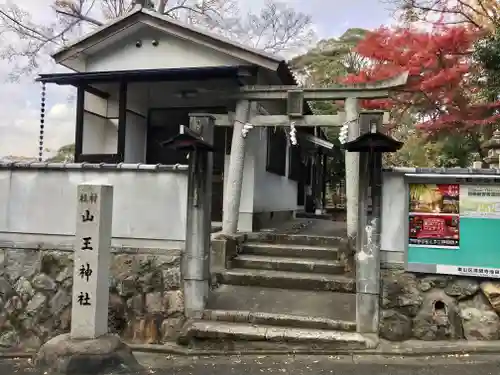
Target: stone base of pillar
103,355
367,312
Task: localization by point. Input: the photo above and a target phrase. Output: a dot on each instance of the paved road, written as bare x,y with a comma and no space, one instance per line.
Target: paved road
298,365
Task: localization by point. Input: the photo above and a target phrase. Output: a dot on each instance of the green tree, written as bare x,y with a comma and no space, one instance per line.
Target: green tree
322,66
65,154
487,53
330,59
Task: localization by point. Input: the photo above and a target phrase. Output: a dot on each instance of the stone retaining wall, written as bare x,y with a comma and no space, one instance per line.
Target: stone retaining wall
146,299
435,307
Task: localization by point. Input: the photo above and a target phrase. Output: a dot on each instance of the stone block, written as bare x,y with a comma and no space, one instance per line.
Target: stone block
146,290
170,328
399,291
479,320
24,289
36,303
491,291
22,263
395,326
174,301
106,354
59,302
433,281
44,282
462,288
438,318
172,278
154,303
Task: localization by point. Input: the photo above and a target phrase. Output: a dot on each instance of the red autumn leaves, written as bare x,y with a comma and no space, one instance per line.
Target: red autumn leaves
444,81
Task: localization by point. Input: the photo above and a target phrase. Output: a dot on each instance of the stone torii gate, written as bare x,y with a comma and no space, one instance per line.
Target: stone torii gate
243,120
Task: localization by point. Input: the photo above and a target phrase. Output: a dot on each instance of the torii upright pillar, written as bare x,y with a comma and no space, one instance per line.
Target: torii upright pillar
352,170
232,199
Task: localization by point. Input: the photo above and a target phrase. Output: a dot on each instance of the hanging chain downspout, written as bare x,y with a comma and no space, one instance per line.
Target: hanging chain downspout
42,122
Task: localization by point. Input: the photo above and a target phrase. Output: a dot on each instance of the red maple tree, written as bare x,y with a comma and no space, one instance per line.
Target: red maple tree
443,84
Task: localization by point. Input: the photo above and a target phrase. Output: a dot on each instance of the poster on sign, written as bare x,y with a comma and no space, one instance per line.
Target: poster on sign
434,215
481,202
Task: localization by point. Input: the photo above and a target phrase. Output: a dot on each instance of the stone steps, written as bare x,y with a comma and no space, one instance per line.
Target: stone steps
291,251
280,320
285,293
292,302
293,264
296,239
287,280
225,335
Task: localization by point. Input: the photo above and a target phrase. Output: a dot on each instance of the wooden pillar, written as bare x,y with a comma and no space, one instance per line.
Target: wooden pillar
324,174
80,110
122,121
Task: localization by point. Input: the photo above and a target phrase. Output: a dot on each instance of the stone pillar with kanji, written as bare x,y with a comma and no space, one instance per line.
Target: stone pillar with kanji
88,348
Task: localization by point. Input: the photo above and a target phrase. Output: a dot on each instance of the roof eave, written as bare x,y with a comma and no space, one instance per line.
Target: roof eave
152,19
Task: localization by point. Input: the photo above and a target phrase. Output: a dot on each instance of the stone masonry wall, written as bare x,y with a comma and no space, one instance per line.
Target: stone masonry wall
436,307
146,301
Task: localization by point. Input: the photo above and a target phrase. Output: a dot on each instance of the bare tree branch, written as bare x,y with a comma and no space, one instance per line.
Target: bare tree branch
275,28
483,14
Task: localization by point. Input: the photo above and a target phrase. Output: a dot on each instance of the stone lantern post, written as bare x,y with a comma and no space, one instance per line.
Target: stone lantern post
493,148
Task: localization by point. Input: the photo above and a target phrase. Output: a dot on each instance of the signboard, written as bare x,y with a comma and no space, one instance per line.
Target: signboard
453,229
92,257
480,202
434,215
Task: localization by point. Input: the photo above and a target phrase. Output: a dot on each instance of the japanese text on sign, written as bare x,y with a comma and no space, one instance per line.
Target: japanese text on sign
85,271
88,198
84,299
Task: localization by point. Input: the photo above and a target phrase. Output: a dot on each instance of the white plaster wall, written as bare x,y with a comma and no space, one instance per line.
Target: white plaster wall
100,124
135,138
171,52
138,98
272,192
93,103
100,135
40,203
394,217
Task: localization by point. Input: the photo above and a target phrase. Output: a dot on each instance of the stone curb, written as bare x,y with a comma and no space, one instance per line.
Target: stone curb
412,348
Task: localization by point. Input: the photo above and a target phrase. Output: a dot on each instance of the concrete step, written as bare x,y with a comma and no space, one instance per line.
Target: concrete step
265,262
297,239
287,280
280,320
275,301
291,251
209,334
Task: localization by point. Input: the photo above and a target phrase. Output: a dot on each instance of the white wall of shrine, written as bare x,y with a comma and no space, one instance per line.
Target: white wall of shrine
100,128
262,192
394,218
100,124
170,52
38,205
272,192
